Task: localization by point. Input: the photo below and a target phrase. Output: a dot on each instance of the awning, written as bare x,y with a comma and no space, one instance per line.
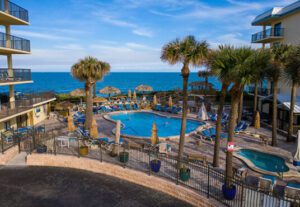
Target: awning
284,102
287,105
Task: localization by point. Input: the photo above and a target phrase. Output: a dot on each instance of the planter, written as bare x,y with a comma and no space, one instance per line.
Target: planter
155,165
124,157
184,174
41,149
83,150
229,193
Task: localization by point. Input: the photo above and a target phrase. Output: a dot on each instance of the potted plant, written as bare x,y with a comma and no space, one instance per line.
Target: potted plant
83,150
41,148
229,191
124,157
184,173
155,165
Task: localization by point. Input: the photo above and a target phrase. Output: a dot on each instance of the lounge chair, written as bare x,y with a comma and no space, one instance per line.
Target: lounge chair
266,183
164,148
165,108
135,106
240,173
242,126
213,134
121,107
128,107
157,107
170,110
213,117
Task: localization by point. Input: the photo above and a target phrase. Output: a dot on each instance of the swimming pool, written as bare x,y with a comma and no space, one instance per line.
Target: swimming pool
263,161
139,124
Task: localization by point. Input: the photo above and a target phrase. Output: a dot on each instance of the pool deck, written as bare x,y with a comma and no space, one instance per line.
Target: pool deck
206,148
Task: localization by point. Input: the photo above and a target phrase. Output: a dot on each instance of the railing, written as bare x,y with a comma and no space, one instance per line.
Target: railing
261,91
8,75
23,102
15,10
17,43
268,33
203,178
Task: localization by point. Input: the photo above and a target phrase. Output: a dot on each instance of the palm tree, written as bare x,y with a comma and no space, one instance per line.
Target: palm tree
258,63
241,75
221,63
205,74
89,70
292,74
187,51
273,73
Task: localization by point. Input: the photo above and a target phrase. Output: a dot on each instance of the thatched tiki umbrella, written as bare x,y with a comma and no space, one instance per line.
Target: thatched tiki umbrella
99,100
154,100
71,126
117,138
170,101
110,90
129,94
154,136
144,88
257,121
78,93
65,105
94,130
134,95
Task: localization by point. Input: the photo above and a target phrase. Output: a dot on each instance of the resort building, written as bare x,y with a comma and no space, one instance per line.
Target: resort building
17,109
280,25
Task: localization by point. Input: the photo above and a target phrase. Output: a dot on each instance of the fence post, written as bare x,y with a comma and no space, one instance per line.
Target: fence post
54,142
124,164
33,138
2,143
100,152
242,194
19,142
149,163
208,181
177,172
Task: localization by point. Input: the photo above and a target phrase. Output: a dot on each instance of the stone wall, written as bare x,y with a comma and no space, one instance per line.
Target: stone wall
130,175
8,155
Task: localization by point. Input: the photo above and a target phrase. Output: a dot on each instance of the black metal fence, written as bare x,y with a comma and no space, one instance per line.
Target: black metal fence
204,179
13,42
7,75
271,32
14,10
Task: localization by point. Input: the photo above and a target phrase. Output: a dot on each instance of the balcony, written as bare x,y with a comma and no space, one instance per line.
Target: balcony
24,103
12,14
13,45
268,35
14,76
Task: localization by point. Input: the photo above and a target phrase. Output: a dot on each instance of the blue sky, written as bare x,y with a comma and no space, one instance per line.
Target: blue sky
129,34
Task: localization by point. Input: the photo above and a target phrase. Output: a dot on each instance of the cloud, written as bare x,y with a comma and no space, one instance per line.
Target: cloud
30,34
69,47
136,29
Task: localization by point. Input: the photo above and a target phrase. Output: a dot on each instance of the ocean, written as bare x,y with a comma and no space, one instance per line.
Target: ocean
63,82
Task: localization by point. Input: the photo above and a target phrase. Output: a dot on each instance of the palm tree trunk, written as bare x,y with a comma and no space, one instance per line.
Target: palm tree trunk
240,115
94,90
89,106
205,91
255,101
219,126
291,121
235,98
185,77
274,117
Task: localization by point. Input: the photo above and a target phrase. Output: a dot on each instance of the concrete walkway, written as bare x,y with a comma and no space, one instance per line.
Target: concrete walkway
18,161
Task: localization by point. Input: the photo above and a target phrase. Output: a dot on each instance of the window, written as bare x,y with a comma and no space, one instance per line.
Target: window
277,29
7,125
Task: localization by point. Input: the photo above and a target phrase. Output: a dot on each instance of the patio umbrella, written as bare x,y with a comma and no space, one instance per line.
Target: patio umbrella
99,100
170,101
144,88
154,100
94,130
71,126
129,94
296,161
65,105
154,136
110,90
78,92
202,114
257,121
134,95
117,137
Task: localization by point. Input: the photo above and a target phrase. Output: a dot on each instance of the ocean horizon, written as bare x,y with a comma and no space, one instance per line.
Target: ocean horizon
63,82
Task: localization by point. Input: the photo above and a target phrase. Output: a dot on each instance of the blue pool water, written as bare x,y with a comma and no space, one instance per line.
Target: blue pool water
140,124
264,161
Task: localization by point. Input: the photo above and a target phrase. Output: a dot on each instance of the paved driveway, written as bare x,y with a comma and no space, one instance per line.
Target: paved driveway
56,187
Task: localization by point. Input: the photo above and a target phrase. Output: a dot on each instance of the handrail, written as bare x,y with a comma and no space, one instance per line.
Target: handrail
7,75
13,42
271,32
14,10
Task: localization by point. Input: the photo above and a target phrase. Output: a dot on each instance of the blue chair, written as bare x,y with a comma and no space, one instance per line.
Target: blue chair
135,106
128,107
206,133
157,107
165,108
170,110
